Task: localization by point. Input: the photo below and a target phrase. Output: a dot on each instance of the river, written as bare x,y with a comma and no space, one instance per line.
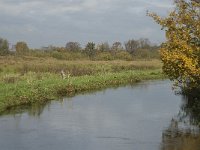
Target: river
146,116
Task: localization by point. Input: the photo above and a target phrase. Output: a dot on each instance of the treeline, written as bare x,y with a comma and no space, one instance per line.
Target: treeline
130,50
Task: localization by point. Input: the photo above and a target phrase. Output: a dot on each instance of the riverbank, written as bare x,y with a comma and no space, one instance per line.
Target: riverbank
51,86
27,80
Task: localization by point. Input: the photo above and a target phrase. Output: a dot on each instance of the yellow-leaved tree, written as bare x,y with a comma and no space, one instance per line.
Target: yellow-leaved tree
181,51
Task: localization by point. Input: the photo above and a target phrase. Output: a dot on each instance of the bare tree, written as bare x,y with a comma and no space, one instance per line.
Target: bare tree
131,46
73,46
117,46
144,43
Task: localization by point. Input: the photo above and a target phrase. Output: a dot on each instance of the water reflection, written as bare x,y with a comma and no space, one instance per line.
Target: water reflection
174,138
190,109
37,109
183,132
132,117
34,110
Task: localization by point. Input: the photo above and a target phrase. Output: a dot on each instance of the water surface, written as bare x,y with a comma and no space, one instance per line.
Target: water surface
140,117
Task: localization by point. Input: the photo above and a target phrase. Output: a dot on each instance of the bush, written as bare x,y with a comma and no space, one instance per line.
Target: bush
104,56
123,55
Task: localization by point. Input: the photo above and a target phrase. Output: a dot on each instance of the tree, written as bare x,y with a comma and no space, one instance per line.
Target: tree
73,46
22,48
144,43
131,46
181,51
4,47
90,49
103,47
117,46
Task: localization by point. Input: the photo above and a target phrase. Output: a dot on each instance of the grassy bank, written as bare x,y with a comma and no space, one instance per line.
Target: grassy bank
32,90
30,80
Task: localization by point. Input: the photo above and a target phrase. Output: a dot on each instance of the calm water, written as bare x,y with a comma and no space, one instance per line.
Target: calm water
141,117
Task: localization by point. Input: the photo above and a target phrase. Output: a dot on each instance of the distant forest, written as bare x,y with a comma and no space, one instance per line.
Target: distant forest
129,50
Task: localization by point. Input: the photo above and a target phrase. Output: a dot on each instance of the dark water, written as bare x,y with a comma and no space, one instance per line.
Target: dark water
147,116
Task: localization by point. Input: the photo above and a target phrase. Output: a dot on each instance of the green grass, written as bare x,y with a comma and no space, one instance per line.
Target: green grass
27,80
30,89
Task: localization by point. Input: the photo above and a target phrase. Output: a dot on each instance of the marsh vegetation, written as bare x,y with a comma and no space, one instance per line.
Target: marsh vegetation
28,79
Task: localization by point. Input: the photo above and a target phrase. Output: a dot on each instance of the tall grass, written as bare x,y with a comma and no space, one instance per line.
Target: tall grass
30,89
27,79
26,64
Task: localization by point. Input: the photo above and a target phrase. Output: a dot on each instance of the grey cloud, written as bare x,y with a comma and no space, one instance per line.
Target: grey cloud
58,21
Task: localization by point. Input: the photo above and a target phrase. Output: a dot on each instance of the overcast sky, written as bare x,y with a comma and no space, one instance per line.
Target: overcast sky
45,22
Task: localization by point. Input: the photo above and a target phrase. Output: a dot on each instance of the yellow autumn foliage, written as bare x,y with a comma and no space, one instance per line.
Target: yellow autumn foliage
181,51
